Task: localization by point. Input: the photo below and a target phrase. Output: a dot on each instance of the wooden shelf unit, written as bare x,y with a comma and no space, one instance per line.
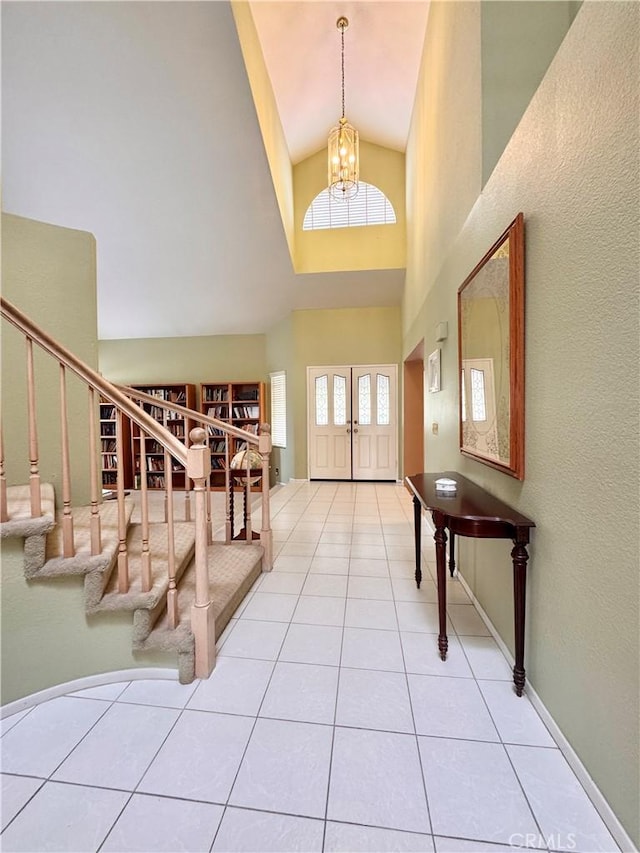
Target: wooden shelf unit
241,404
185,395
108,458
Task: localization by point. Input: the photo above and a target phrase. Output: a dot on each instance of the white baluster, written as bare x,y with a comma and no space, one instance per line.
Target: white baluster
145,556
266,534
4,512
96,534
34,475
68,547
123,555
172,592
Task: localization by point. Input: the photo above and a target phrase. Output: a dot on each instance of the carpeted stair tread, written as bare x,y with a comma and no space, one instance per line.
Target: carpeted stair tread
20,522
233,569
135,598
84,562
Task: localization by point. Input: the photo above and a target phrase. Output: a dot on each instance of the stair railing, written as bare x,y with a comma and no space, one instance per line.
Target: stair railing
195,459
261,443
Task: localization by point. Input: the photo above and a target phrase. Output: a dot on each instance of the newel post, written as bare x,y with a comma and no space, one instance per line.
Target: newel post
202,620
266,534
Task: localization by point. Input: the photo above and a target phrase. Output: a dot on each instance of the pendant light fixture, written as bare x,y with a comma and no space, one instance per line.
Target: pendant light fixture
343,145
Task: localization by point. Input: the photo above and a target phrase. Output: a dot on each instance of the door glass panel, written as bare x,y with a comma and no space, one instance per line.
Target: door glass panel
322,400
339,400
478,407
382,400
364,399
463,396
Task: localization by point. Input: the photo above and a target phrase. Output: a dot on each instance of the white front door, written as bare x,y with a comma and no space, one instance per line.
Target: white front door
374,422
352,422
329,420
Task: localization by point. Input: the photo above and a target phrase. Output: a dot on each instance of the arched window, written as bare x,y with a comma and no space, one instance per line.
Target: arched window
369,207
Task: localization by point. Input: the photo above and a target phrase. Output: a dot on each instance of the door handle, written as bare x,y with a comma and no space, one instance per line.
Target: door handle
350,430
355,430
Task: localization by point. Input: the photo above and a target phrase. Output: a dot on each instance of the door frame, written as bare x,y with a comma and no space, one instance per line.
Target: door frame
413,411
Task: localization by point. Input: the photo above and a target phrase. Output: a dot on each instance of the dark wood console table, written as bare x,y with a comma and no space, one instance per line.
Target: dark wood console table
471,511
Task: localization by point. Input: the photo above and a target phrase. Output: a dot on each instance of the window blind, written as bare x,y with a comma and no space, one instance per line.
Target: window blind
278,408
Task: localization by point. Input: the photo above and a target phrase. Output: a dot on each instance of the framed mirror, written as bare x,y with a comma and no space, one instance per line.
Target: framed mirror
491,355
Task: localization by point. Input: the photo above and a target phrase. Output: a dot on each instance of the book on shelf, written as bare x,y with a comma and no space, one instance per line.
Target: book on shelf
246,411
108,445
219,412
215,395
155,481
107,412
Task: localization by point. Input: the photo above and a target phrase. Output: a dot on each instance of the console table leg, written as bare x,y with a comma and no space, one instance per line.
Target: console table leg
452,553
520,556
440,537
417,522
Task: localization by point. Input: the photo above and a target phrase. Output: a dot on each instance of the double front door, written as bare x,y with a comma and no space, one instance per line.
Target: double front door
352,422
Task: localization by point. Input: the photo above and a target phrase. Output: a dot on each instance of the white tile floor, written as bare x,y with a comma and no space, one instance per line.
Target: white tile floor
328,724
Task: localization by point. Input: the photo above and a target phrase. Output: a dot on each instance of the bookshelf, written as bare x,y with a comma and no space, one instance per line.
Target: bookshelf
241,404
108,458
153,464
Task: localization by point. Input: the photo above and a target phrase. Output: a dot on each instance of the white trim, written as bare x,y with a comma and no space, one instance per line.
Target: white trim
83,684
600,804
278,395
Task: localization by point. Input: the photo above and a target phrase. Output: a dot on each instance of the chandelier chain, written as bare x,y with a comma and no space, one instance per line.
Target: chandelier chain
342,32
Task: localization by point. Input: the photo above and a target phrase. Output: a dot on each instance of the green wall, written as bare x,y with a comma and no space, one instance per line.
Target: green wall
49,273
216,358
375,247
572,168
340,336
281,356
519,40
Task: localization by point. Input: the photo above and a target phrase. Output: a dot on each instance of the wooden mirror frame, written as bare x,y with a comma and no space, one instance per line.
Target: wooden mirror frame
514,466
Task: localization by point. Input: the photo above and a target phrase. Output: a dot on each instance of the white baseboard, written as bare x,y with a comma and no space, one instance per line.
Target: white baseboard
83,684
603,808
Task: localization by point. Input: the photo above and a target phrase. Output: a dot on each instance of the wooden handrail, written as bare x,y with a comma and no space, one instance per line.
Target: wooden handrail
107,389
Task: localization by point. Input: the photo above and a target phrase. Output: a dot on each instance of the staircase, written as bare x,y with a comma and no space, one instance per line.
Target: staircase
233,570
180,579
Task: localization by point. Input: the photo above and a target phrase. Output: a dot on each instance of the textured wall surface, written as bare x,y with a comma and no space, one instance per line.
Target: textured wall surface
49,273
210,358
375,247
280,356
572,168
346,336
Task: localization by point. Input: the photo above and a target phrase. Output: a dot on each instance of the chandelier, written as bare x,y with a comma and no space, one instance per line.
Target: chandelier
343,158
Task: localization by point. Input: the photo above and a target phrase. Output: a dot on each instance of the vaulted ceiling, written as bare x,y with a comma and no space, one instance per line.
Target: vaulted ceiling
134,121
